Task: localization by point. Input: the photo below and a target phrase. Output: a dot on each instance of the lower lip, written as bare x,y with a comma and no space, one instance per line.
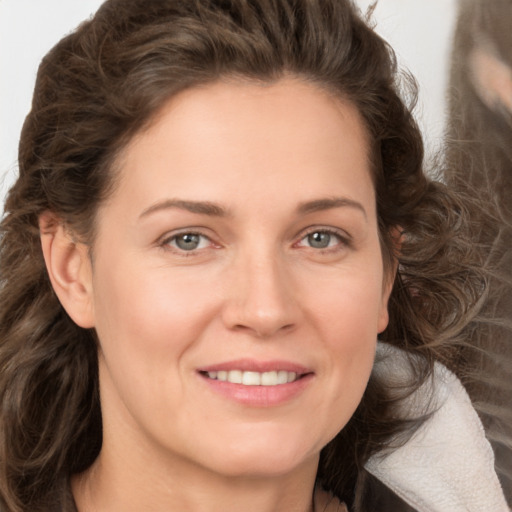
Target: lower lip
259,396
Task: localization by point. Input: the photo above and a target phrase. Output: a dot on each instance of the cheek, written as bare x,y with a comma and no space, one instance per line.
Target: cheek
351,338
147,327
146,324
149,307
347,317
348,307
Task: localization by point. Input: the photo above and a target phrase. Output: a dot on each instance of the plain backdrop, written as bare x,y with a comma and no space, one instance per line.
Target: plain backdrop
420,31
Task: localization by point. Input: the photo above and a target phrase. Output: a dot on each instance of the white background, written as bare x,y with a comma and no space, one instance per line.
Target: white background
420,31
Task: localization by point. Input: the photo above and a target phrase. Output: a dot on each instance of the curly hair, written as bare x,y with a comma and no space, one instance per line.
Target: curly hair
104,83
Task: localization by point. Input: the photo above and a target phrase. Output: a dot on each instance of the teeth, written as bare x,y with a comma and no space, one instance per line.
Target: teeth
254,378
235,376
282,377
269,379
251,378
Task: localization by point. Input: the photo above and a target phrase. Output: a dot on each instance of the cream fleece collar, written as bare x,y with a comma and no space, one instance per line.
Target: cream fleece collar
448,464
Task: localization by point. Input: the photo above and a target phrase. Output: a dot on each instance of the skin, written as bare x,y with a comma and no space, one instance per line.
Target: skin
278,162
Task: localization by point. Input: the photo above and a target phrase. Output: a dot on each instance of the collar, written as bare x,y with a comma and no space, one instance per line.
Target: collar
448,464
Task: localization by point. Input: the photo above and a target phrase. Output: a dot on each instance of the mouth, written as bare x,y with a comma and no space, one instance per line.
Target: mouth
252,378
259,384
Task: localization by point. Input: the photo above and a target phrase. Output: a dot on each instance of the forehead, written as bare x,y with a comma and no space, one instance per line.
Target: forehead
292,99
234,138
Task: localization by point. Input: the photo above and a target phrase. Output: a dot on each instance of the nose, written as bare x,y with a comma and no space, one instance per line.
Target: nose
261,300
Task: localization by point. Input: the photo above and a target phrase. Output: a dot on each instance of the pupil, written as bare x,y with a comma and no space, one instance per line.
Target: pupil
319,240
188,241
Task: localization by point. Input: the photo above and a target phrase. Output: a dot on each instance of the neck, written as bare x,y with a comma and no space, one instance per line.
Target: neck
130,483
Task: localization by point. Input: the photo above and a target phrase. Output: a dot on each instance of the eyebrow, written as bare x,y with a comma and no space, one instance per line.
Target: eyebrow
199,207
215,210
328,203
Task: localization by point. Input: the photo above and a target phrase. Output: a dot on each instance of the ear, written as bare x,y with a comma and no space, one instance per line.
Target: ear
383,319
69,268
396,234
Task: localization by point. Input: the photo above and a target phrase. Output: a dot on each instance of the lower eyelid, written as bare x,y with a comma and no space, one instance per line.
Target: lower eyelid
343,239
170,241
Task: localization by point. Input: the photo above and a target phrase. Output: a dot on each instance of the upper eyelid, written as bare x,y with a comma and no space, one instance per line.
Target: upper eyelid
341,233
166,239
345,241
169,235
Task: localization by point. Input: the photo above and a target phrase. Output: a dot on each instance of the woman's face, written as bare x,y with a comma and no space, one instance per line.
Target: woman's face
237,282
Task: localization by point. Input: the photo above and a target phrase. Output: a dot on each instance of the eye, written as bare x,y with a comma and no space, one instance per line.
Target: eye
188,241
319,239
322,239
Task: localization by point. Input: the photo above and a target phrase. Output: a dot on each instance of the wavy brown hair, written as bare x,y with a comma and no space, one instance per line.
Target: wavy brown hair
104,83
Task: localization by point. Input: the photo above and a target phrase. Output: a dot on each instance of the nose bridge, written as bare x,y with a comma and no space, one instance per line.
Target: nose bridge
261,298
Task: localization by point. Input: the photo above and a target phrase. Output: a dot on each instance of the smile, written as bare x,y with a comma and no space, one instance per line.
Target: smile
257,389
255,383
251,378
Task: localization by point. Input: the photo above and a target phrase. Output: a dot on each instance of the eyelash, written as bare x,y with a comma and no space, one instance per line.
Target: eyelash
166,242
343,238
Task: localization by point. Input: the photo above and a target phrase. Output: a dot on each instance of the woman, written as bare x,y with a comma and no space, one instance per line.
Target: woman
220,206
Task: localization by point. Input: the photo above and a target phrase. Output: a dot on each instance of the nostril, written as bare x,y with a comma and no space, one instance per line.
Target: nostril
265,331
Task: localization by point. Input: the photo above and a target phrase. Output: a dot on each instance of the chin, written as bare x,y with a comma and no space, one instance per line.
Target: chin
265,457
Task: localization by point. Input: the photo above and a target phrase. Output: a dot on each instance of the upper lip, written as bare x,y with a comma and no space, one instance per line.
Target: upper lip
251,365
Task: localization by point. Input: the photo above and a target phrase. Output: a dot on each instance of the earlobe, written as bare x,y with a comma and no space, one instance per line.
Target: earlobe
397,236
69,268
384,314
383,319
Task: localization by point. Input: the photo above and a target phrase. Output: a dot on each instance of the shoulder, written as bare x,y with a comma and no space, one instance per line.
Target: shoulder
448,464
